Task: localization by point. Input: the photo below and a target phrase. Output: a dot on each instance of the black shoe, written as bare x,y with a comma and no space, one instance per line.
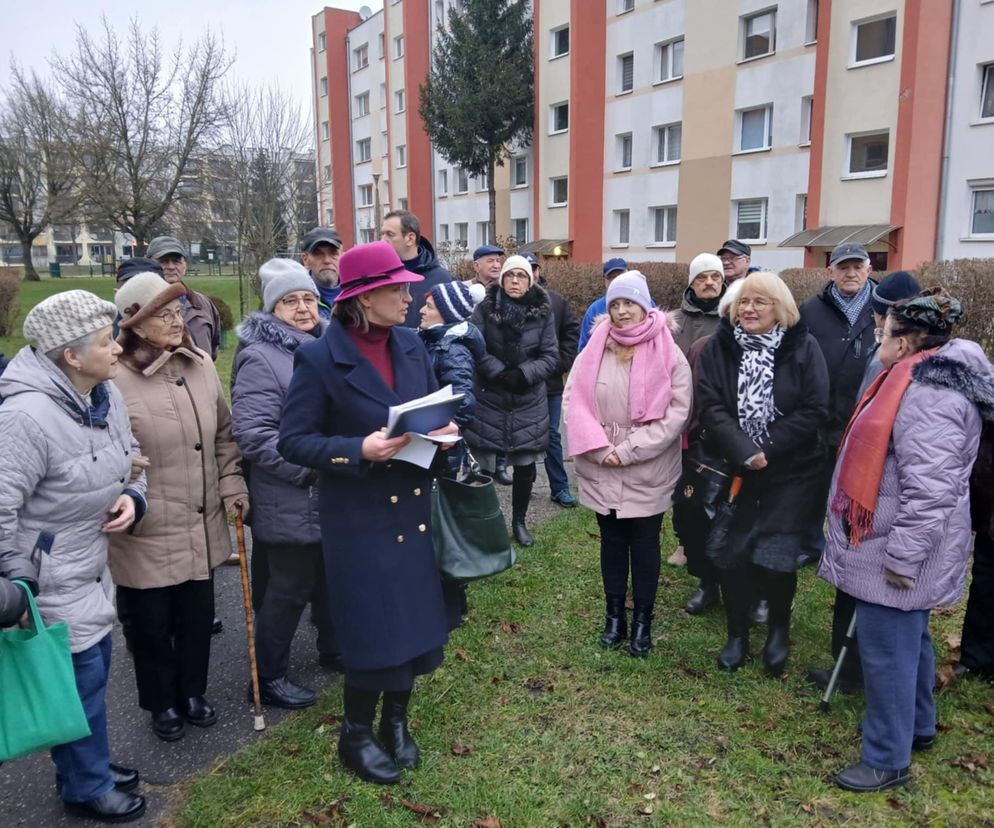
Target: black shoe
331,661
733,654
760,612
920,743
862,778
168,725
777,649
962,671
281,692
113,806
395,736
565,499
820,678
704,599
198,711
808,558
124,779
503,476
615,622
217,626
364,756
521,533
641,642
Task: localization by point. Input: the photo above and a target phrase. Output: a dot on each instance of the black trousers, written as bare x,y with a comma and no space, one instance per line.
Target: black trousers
692,524
977,647
634,542
171,637
295,576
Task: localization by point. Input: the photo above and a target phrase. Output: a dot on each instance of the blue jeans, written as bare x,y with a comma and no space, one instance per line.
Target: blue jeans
554,466
84,765
898,672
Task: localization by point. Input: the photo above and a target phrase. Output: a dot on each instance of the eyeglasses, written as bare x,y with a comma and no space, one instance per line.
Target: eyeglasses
758,304
728,258
709,277
516,277
297,301
880,334
168,316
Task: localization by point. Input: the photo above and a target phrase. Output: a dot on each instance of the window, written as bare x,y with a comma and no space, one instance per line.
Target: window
624,151
560,42
987,92
520,229
982,219
398,47
363,150
365,195
626,72
559,118
324,87
402,155
443,182
868,155
874,40
462,180
440,11
399,101
756,129
625,6
483,183
329,217
367,234
360,57
519,172
669,59
750,220
811,23
558,191
379,46
362,105
622,220
801,213
668,141
322,41
402,203
807,105
664,225
326,172
759,34
383,96
325,131
483,232
384,144
443,232
462,232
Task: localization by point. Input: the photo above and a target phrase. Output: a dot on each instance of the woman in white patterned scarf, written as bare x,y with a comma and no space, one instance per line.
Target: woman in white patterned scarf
762,397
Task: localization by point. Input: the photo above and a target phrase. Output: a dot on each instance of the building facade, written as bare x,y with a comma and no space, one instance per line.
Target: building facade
663,127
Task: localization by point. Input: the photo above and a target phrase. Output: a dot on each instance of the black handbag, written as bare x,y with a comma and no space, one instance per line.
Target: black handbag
706,478
467,527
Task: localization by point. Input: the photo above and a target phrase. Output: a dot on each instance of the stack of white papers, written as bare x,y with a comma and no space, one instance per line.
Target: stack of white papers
416,418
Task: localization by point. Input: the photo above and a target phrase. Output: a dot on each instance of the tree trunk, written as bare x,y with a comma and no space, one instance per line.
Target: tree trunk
30,274
492,194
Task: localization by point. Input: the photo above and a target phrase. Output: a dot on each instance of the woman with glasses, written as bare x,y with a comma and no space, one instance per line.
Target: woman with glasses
512,411
762,399
286,532
163,569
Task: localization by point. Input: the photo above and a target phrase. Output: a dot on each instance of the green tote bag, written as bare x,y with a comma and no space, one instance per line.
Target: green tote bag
39,702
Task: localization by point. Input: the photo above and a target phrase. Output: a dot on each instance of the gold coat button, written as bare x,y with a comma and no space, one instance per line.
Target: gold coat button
394,498
400,538
417,492
422,527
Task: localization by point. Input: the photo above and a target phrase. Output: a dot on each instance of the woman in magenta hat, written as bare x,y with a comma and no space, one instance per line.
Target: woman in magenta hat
385,592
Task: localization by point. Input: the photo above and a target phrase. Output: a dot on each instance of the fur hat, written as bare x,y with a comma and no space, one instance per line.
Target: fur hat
517,262
704,263
280,277
142,295
454,300
630,285
65,317
729,297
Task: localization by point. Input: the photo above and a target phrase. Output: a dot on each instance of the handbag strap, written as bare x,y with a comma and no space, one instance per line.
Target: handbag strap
468,460
39,625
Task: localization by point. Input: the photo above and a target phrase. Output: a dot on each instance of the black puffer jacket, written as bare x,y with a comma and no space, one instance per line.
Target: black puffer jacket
568,334
780,497
424,264
846,350
512,411
455,349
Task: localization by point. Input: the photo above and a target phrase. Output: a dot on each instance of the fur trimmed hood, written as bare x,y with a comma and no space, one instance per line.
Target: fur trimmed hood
261,328
535,302
961,365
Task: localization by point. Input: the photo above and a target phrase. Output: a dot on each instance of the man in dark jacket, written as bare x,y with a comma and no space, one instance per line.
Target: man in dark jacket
403,232
698,314
840,318
736,260
487,259
568,332
319,252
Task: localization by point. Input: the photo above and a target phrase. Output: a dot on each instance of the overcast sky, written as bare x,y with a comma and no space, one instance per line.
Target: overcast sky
271,38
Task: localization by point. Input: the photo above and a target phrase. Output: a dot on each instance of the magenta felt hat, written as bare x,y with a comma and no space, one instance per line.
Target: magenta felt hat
371,266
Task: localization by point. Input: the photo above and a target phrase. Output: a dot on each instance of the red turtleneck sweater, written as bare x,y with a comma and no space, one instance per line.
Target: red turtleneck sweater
374,344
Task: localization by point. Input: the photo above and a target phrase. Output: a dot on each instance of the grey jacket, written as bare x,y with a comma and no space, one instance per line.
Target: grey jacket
63,464
284,496
921,525
12,602
692,322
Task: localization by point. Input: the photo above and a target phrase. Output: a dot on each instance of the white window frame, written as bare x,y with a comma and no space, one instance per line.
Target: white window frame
399,101
663,69
323,85
482,183
519,162
443,233
621,139
767,109
847,174
521,237
854,63
811,24
552,191
622,227
626,6
554,42
325,131
746,19
553,110
461,182
398,47
669,219
361,105
735,231
383,96
322,42
384,144
801,213
364,190
483,232
326,172
380,45
360,56
807,113
461,230
401,156
367,235
443,183
621,73
986,89
662,132
364,150
976,188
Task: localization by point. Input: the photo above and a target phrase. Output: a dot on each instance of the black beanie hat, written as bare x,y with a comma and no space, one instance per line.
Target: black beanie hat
898,285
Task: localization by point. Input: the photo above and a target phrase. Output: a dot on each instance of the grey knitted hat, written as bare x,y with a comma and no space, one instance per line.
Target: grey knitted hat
66,317
280,277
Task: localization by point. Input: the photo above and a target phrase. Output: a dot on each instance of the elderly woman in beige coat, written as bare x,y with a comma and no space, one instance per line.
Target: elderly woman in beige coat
163,570
626,403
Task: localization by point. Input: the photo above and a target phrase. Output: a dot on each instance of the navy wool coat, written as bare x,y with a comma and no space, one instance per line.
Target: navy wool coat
386,596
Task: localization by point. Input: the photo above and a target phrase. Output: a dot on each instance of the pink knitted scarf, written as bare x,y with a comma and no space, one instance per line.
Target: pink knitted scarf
649,388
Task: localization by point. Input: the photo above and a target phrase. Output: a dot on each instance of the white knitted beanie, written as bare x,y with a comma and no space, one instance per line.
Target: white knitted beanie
65,317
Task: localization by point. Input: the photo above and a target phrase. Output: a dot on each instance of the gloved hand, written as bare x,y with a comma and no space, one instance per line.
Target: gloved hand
898,581
514,380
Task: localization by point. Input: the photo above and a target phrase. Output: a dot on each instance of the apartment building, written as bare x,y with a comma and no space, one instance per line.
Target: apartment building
663,127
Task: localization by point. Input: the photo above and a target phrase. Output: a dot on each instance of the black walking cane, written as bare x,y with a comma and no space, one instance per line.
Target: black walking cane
833,680
260,720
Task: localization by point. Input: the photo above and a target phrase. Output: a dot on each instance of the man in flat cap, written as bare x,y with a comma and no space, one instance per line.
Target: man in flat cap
319,252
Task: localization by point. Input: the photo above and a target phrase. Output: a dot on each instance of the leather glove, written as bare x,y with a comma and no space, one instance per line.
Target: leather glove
898,581
515,380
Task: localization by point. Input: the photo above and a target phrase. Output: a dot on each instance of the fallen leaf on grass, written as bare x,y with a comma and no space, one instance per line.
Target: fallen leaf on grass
635,788
290,750
943,728
538,686
329,720
807,808
704,762
333,814
655,769
597,822
461,750
970,763
952,640
461,654
503,700
425,813
945,675
630,603
508,627
593,535
645,809
989,707
487,822
894,803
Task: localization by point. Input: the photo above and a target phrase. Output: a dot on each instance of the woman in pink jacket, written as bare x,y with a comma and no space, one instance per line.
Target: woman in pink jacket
627,400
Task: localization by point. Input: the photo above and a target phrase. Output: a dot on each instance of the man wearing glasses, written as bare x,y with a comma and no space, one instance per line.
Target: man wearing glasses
736,260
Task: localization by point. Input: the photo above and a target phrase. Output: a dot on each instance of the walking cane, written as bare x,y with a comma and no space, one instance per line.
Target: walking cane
260,720
833,680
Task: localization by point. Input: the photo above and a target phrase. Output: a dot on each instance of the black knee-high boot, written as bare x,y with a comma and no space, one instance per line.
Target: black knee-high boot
357,748
736,595
394,735
779,588
521,495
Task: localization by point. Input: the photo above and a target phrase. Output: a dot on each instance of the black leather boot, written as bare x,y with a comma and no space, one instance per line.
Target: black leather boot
735,594
394,735
779,588
641,642
615,622
521,495
707,596
501,474
357,748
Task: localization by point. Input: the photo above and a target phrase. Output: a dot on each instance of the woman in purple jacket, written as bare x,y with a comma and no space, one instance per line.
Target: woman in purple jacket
899,521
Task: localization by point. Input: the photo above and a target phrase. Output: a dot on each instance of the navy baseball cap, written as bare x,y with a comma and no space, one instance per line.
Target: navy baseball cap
614,265
134,266
320,235
846,251
532,259
736,248
487,250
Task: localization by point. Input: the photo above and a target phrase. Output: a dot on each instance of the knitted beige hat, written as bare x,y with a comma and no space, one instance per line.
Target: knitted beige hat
143,295
66,317
518,263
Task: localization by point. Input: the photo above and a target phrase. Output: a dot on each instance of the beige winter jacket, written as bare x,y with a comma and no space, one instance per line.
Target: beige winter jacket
183,424
649,453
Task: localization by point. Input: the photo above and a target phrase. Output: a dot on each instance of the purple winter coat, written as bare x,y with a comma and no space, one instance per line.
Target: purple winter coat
921,527
284,496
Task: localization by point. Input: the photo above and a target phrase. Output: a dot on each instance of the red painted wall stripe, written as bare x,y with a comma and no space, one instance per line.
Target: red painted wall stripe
417,59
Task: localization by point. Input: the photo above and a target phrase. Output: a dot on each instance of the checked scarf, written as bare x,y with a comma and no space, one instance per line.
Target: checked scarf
755,391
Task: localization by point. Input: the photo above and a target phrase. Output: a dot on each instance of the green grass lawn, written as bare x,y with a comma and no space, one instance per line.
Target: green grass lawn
528,721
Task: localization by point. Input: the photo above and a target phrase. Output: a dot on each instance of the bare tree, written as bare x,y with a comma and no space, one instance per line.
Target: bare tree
138,116
37,180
